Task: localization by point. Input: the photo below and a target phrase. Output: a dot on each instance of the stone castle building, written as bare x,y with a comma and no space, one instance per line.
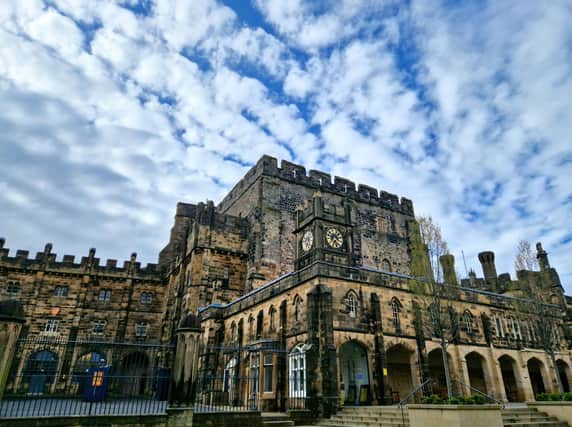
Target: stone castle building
296,289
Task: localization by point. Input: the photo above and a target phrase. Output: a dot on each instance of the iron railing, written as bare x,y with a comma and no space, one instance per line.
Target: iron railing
54,377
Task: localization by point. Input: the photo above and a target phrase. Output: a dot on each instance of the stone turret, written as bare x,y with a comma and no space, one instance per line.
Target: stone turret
542,257
487,260
448,265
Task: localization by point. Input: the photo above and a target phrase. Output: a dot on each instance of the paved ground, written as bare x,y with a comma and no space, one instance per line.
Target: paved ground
44,407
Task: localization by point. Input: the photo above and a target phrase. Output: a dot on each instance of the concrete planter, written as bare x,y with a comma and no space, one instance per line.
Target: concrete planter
454,415
560,410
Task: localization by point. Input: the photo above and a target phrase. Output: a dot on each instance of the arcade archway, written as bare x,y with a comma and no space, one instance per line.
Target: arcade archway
355,373
535,368
399,375
477,372
509,371
563,373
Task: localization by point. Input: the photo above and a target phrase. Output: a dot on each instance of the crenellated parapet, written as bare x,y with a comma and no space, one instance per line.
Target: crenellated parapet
268,166
90,264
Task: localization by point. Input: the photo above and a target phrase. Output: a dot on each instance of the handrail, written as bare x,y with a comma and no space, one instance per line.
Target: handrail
415,390
412,393
500,402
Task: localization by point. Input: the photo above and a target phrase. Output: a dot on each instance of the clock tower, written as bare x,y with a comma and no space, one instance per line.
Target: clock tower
323,233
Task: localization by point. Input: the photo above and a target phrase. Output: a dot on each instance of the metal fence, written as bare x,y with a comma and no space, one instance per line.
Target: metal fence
52,377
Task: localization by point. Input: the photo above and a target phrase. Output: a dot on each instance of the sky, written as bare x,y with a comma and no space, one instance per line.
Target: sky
113,111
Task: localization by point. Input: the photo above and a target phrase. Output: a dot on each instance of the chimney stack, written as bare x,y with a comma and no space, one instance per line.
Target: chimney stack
487,260
542,257
448,265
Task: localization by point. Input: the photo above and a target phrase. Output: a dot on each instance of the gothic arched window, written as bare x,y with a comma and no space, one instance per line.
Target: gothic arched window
297,372
395,311
297,308
351,304
468,321
272,314
386,265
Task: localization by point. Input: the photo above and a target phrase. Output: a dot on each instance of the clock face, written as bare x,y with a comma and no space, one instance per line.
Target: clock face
334,238
307,241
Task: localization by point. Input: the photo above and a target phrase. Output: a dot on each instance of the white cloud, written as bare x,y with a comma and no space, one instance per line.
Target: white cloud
463,109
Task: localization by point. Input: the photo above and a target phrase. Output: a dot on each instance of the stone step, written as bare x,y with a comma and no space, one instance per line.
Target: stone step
278,423
537,424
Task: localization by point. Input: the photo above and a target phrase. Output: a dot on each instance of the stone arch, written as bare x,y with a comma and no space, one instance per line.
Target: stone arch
396,309
437,370
354,369
297,303
40,371
400,370
135,366
478,373
564,374
511,378
537,375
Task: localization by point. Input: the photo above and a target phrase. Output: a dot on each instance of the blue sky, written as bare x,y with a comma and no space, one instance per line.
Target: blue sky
114,111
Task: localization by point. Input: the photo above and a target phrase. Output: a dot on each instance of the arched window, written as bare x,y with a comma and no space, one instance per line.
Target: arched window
468,321
395,310
297,308
385,265
229,380
259,324
351,304
233,331
251,327
297,371
272,314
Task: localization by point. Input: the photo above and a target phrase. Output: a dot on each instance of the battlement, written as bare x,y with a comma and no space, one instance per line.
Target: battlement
292,172
47,260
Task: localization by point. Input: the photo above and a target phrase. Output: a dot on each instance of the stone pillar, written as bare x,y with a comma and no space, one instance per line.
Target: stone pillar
185,367
11,320
497,378
523,378
379,365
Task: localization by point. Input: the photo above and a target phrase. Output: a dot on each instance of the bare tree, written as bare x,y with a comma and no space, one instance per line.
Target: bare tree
441,318
436,245
525,258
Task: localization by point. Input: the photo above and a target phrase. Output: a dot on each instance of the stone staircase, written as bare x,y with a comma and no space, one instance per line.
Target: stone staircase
276,419
367,416
529,417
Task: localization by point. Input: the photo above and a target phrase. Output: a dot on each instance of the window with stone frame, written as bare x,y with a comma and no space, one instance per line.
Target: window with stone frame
272,315
141,329
297,308
146,298
268,365
251,327
351,303
468,322
98,327
499,327
297,372
259,324
233,335
104,295
386,265
52,326
61,291
396,312
12,287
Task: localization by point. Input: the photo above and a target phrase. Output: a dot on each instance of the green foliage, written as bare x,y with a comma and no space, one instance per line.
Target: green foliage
456,400
542,397
553,397
567,396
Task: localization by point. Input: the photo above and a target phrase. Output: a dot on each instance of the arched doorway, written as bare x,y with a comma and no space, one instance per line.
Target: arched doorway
40,371
477,372
399,375
509,378
88,360
134,373
563,371
535,368
437,371
355,373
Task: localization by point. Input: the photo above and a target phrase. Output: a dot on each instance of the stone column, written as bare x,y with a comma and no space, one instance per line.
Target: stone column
11,320
379,365
185,367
